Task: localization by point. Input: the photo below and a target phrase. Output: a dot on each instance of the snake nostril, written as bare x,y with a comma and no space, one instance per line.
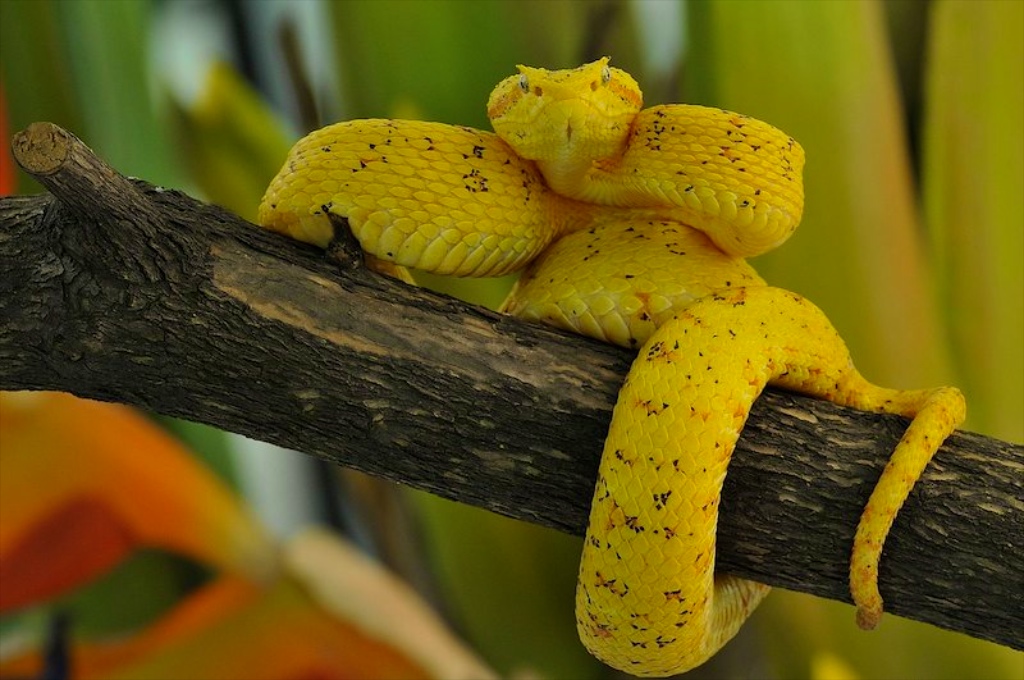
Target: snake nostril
538,91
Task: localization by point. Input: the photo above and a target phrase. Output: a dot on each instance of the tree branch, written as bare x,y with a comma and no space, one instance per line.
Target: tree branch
116,290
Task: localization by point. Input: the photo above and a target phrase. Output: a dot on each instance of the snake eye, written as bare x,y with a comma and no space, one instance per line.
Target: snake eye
524,83
606,75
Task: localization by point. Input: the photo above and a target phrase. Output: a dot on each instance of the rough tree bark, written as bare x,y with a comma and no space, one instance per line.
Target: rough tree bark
117,290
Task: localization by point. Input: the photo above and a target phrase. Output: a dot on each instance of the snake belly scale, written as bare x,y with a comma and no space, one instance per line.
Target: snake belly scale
629,225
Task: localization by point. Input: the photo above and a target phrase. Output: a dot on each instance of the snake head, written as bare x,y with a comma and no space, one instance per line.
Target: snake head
582,113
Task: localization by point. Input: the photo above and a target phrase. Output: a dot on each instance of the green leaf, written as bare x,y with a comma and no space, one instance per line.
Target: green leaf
36,71
108,55
231,141
973,172
442,57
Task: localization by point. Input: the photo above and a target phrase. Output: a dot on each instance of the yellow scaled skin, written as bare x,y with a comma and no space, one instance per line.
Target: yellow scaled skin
631,225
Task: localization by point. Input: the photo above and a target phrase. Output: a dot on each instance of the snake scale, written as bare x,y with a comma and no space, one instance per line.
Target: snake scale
629,225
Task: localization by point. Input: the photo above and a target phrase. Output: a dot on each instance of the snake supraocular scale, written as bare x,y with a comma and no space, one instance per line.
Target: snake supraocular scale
630,225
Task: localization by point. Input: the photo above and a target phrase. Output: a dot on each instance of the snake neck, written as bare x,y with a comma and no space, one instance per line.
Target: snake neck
592,181
568,176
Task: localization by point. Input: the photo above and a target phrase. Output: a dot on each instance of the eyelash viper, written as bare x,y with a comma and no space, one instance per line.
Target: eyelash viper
630,225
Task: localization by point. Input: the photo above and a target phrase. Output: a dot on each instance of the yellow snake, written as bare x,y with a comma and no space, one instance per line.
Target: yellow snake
630,226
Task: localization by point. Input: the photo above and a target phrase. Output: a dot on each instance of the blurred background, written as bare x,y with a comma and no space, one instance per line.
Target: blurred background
912,116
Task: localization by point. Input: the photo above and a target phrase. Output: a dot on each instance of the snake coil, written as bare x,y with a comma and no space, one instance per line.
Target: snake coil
630,226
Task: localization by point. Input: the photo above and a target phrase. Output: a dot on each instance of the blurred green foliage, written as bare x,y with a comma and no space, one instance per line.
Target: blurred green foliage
911,114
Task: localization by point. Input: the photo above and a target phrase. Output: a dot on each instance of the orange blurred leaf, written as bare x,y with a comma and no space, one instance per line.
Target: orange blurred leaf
83,483
74,543
332,615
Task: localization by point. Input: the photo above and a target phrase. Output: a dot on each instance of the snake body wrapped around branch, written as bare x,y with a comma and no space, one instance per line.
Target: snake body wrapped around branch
629,225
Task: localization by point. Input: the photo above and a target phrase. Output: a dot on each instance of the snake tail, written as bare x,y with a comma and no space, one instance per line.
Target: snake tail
936,414
647,601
